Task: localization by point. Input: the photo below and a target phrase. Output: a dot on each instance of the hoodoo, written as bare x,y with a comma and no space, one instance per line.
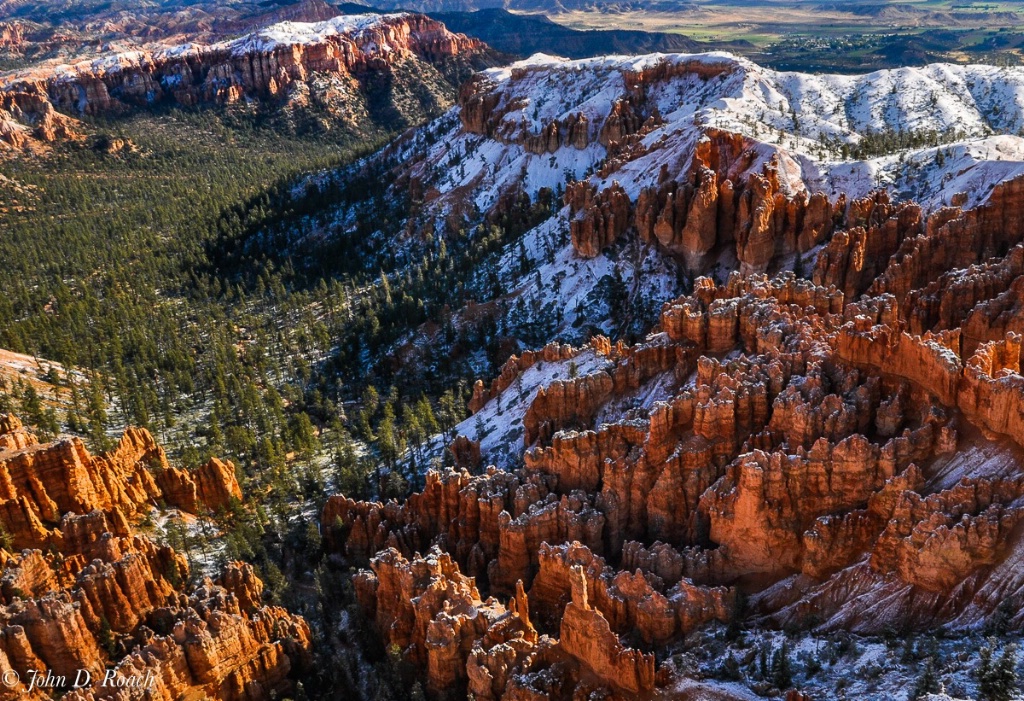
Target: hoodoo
86,595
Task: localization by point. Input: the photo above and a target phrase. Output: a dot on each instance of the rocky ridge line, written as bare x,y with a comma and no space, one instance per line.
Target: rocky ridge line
276,62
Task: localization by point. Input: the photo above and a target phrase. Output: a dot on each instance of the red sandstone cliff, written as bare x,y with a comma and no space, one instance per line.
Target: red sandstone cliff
720,202
801,430
265,64
41,483
87,589
28,120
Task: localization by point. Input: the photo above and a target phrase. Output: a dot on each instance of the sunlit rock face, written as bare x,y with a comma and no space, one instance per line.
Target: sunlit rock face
84,595
289,63
803,440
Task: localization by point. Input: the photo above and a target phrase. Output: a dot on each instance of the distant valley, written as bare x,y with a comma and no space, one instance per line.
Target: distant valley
793,35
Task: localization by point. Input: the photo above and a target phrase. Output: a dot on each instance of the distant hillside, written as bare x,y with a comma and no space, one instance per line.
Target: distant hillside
358,73
525,35
528,34
545,6
909,13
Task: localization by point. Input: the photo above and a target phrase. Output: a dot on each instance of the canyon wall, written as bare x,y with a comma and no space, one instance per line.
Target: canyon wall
800,429
278,63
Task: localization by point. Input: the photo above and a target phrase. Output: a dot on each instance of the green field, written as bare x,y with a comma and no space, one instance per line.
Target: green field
839,37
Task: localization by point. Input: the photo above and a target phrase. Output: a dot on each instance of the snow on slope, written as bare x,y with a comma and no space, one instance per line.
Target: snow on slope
291,33
263,40
840,667
797,119
499,425
801,119
933,176
801,122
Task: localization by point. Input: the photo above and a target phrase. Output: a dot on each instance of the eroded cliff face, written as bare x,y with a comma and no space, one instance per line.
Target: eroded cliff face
12,36
330,63
723,199
670,167
29,121
768,430
81,590
43,482
728,196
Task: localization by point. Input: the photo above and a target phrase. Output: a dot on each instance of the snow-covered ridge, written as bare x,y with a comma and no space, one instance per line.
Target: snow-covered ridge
261,41
963,123
620,62
978,99
967,120
293,33
544,122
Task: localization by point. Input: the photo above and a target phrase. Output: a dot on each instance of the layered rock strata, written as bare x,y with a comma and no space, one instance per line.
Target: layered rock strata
29,121
40,483
266,62
800,432
720,201
276,62
82,593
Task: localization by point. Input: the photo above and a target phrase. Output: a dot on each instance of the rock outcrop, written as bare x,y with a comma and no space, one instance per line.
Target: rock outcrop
264,63
936,542
721,201
88,593
598,218
278,62
12,37
991,390
724,200
435,616
39,483
768,430
586,636
515,366
29,121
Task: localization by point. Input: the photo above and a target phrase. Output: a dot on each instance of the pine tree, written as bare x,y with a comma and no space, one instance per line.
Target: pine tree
387,436
31,405
997,681
312,539
984,671
928,682
762,662
731,668
106,637
370,404
999,622
6,539
781,668
735,628
1005,674
450,413
303,435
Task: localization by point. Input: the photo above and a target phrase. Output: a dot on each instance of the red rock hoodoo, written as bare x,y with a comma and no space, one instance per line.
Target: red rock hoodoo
803,430
83,591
